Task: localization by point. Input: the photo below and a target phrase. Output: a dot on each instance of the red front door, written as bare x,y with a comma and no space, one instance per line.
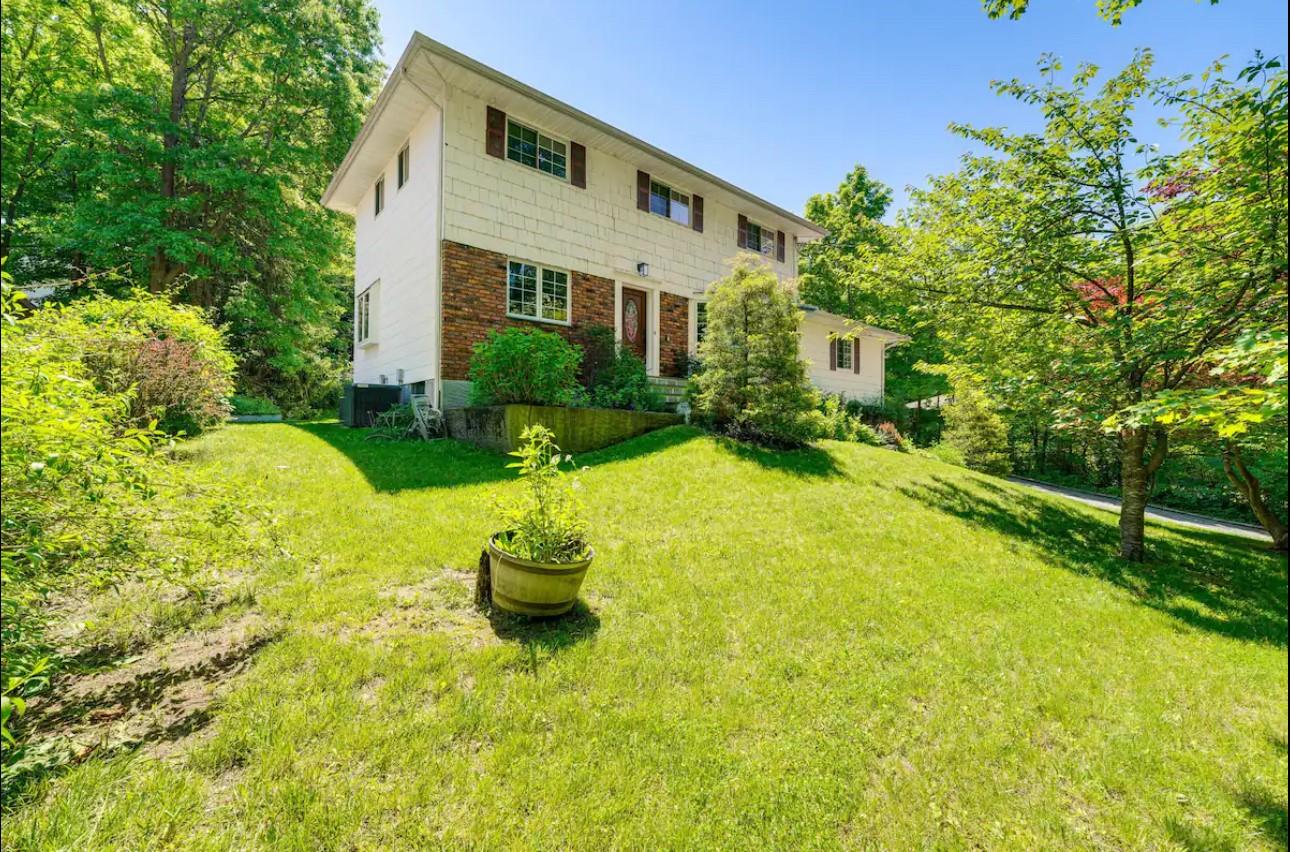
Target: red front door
634,323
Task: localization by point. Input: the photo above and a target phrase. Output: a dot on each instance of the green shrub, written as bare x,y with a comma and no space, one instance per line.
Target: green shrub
753,384
614,376
977,432
890,436
842,421
83,484
166,360
521,365
947,453
545,524
252,405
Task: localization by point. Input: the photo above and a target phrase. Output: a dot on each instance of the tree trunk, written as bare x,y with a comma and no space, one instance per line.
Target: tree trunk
162,270
1136,471
1252,490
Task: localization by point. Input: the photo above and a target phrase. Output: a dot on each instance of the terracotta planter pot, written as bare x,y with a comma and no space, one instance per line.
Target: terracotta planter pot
534,588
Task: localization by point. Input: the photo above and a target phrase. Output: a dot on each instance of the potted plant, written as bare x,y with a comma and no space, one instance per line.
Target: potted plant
536,564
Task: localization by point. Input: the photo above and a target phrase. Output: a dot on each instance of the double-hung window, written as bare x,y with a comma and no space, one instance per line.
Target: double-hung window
528,147
536,292
364,319
845,348
761,240
669,203
404,166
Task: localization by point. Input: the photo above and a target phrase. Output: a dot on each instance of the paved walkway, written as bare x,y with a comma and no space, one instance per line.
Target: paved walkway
1112,504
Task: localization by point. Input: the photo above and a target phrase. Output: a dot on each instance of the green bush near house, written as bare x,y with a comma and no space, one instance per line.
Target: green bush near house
842,421
521,365
166,361
614,376
753,385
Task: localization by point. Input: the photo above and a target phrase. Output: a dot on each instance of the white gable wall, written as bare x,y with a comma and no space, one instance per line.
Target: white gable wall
400,249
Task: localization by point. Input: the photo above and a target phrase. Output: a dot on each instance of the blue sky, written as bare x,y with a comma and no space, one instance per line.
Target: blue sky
783,98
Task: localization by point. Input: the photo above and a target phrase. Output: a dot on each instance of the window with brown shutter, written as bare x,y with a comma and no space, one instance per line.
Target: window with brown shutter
779,246
642,190
495,133
833,353
741,236
855,354
577,165
696,222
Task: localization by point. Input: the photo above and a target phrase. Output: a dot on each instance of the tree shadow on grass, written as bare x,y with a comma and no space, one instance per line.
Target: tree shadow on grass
544,637
392,466
804,462
1208,581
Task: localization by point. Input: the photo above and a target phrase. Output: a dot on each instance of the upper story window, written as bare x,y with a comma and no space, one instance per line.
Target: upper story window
404,166
364,319
379,196
761,240
526,146
536,292
845,349
669,203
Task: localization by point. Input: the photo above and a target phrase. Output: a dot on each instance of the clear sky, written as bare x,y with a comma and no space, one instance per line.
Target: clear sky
784,98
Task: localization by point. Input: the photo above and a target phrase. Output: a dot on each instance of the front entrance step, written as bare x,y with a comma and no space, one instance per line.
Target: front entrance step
673,390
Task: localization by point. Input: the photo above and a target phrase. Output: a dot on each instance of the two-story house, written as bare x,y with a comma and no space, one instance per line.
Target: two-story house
481,203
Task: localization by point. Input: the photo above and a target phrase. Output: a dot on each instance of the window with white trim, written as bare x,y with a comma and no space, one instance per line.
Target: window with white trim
528,147
404,165
845,348
364,319
668,203
536,292
761,239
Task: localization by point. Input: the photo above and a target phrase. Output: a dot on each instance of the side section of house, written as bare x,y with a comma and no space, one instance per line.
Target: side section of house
844,359
397,261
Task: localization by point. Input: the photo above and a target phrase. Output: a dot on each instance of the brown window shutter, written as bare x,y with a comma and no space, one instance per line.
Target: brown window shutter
642,190
495,133
855,354
696,216
779,246
741,235
833,353
577,165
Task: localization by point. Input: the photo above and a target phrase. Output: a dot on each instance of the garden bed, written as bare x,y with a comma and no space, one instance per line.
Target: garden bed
577,430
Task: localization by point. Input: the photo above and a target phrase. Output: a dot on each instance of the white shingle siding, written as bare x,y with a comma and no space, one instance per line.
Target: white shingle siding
400,248
502,206
866,385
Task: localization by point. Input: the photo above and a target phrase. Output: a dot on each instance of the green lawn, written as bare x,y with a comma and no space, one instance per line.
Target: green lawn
836,648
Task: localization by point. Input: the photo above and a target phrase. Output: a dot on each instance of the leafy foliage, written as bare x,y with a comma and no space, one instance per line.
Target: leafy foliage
842,422
242,404
1111,11
753,384
613,375
977,432
167,360
523,365
182,146
91,497
546,523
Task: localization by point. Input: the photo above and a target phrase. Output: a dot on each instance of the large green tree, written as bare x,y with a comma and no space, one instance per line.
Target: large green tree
1117,269
183,146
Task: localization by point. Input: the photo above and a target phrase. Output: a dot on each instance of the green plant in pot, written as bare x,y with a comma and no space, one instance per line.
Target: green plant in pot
537,563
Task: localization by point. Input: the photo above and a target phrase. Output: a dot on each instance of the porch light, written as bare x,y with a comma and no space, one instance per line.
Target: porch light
642,269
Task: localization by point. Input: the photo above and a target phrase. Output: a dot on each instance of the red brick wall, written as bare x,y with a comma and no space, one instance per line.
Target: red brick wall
474,302
674,334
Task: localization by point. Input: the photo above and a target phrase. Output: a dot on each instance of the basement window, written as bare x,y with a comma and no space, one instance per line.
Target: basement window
536,292
528,147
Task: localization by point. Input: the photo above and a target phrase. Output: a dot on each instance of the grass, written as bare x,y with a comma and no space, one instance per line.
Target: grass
836,648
